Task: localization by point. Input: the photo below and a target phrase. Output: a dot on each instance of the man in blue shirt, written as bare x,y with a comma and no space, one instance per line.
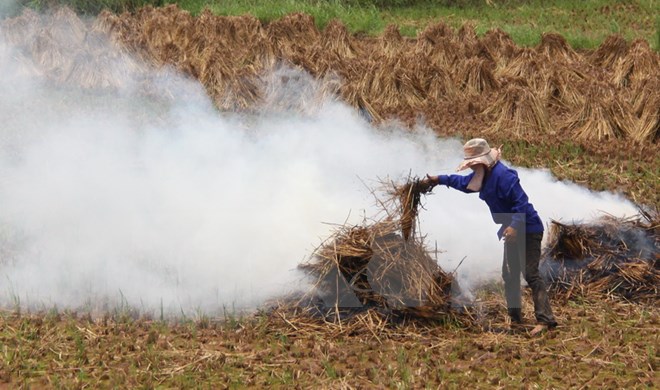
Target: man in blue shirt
521,228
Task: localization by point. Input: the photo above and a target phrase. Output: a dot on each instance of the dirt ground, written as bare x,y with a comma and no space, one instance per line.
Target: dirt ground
598,344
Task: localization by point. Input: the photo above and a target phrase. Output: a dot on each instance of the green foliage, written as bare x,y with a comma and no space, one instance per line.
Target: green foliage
329,369
415,3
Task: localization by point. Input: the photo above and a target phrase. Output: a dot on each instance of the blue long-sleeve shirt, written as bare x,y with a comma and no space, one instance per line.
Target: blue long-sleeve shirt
505,197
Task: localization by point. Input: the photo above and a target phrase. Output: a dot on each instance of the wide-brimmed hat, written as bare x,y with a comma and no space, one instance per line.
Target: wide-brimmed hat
477,151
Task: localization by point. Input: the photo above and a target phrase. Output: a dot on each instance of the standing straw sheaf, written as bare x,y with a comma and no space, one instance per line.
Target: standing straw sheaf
640,62
601,117
612,50
453,79
500,45
519,112
556,49
646,106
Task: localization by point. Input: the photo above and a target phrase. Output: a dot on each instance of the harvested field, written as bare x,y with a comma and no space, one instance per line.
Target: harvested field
382,313
598,343
456,82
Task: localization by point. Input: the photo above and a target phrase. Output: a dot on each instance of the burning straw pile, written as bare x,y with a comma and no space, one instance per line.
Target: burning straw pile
611,257
375,266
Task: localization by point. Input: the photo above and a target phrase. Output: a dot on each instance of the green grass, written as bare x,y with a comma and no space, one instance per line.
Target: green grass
585,24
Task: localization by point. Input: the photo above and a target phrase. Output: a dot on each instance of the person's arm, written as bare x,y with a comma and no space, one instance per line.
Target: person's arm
458,182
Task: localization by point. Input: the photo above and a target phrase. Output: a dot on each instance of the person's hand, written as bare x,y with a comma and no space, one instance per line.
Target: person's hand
429,182
510,234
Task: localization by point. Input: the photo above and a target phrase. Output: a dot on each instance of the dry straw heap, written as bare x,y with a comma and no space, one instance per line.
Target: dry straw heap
454,79
376,267
610,257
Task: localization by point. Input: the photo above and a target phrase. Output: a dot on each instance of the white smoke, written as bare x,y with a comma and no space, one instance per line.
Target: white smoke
118,197
7,7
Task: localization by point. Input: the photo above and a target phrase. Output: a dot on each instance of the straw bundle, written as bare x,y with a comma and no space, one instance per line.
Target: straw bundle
646,106
471,46
475,76
240,31
388,76
90,71
409,197
156,38
379,82
50,57
609,257
351,82
391,42
214,72
21,29
66,51
182,28
556,49
120,30
611,51
526,65
373,266
636,65
241,38
438,43
520,112
336,40
293,37
235,90
500,45
208,22
336,51
441,85
435,34
563,87
66,28
467,37
293,27
601,117
392,84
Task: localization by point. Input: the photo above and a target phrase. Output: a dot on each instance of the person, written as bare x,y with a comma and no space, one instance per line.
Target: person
521,227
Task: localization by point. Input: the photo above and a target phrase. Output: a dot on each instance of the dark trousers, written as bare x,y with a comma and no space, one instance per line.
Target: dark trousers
523,255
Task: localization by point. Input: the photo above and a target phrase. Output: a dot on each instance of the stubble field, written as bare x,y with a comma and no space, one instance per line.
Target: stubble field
590,116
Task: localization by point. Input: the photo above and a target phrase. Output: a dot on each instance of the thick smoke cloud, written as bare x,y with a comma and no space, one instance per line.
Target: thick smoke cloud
120,197
7,7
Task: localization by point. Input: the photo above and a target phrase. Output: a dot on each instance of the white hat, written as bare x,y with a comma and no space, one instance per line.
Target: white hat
477,151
